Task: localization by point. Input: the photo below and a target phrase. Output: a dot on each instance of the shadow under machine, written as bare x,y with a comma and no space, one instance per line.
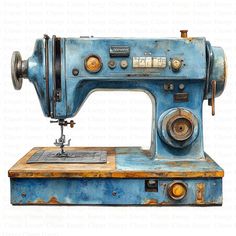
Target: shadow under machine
177,74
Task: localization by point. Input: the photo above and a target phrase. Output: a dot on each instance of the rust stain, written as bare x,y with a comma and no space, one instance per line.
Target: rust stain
151,202
165,204
52,201
200,193
154,202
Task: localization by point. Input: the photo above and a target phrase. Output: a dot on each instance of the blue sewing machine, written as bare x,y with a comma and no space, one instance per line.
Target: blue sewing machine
177,74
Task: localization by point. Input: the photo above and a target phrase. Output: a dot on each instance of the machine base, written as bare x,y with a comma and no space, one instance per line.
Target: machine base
109,191
113,183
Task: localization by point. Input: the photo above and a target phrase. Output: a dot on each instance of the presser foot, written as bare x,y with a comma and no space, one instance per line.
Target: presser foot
62,153
61,142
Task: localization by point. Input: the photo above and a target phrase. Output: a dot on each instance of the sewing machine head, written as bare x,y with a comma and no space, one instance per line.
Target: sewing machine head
178,74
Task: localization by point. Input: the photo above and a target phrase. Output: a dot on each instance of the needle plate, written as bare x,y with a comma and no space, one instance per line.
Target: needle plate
71,157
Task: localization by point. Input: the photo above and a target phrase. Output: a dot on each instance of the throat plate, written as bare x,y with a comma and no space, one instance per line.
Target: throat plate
97,157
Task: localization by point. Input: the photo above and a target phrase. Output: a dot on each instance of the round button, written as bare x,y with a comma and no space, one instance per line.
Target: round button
112,64
123,64
177,190
93,63
176,64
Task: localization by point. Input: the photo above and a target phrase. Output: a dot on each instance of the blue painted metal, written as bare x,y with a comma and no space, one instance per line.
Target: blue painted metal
131,158
202,64
74,51
75,89
108,192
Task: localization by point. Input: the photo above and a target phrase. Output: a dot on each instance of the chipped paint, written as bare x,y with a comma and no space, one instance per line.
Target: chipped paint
200,193
76,191
39,201
151,202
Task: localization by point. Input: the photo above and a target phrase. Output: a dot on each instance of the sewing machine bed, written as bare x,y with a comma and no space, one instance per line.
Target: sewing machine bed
122,180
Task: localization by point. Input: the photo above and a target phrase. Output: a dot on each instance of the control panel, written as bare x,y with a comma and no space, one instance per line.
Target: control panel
95,57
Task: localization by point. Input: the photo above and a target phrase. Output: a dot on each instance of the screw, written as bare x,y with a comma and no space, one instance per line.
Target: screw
75,71
181,86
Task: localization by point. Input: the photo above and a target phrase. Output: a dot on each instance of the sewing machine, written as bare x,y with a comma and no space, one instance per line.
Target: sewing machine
177,74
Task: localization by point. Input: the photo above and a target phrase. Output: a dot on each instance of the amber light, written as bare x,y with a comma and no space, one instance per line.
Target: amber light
93,64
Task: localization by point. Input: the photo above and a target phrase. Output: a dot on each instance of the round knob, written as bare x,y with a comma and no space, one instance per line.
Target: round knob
123,64
18,70
177,190
180,128
176,64
93,63
112,64
72,124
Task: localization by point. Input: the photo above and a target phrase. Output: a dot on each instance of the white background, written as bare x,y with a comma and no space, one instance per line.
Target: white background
112,119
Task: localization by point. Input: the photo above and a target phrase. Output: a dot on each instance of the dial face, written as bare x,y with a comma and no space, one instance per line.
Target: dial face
93,63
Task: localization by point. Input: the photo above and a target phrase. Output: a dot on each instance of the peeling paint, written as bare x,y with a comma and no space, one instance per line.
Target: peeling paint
98,191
